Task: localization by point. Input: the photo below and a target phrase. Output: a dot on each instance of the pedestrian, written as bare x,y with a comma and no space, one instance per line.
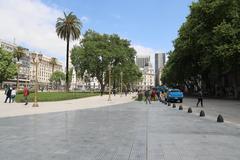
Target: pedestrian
114,92
26,94
200,98
8,93
158,95
153,95
147,96
126,92
13,94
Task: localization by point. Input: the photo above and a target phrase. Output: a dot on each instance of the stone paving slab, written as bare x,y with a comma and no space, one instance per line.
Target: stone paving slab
132,131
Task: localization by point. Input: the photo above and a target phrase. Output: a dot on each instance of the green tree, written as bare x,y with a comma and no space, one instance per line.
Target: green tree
53,62
207,48
97,51
8,68
56,78
68,28
18,53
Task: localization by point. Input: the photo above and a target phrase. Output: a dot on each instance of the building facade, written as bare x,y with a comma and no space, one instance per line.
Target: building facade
160,60
27,70
45,69
142,61
147,78
145,66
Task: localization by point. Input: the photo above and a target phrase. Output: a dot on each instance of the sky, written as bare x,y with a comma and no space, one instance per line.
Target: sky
150,25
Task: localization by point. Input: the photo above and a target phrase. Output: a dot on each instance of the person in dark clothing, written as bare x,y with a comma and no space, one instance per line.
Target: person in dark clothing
8,93
147,96
158,95
200,98
114,92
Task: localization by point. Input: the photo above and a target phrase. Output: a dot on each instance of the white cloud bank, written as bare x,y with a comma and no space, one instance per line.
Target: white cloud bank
32,24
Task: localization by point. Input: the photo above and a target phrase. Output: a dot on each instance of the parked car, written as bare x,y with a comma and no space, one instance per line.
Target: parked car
174,95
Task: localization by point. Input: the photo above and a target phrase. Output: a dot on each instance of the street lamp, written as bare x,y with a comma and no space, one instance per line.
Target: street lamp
121,74
109,82
37,58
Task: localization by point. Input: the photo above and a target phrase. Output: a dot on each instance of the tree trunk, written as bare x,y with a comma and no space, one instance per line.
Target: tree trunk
235,86
114,83
67,59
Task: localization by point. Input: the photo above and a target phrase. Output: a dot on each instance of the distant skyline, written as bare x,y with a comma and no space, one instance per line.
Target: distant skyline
150,25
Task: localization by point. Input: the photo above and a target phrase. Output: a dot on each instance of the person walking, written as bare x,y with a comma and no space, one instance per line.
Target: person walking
200,98
147,97
8,93
26,94
13,94
158,95
114,92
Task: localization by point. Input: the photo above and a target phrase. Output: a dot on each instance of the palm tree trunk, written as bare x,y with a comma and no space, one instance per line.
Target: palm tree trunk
67,59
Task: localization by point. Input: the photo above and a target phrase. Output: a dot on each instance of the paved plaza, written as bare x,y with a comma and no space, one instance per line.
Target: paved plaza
18,109
229,109
129,131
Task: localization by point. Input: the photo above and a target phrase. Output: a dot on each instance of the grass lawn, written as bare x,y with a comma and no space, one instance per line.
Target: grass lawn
56,96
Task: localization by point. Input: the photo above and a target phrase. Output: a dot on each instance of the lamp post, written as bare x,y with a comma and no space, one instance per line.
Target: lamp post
37,58
109,82
121,74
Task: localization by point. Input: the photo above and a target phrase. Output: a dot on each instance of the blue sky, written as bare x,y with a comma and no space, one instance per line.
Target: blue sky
150,23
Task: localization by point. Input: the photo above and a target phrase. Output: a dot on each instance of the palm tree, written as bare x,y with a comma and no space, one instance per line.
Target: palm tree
18,53
68,28
53,62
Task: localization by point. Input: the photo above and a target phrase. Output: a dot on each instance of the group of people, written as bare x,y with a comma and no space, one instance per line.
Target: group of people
11,93
153,95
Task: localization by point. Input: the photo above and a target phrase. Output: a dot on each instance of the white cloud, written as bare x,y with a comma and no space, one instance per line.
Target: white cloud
32,24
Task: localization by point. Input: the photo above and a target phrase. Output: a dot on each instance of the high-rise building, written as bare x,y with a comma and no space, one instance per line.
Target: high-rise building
142,61
160,59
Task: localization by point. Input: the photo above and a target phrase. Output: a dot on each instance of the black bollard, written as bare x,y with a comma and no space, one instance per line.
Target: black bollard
169,104
220,118
202,113
180,107
174,105
189,110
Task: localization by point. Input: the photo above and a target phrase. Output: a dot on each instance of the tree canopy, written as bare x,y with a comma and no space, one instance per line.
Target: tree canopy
97,51
208,44
56,78
8,68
